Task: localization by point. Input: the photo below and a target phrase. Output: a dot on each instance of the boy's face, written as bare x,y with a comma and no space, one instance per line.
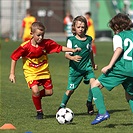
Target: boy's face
80,28
38,36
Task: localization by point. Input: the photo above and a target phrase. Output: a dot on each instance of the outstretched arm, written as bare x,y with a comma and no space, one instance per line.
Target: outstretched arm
115,56
12,71
66,49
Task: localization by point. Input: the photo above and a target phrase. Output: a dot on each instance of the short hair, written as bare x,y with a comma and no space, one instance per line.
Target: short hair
88,13
120,22
28,11
81,19
37,25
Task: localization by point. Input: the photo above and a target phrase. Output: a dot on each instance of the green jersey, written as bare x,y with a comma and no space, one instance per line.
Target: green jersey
123,64
85,46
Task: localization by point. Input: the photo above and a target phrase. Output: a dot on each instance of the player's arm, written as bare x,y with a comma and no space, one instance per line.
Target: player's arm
66,49
117,43
22,29
115,56
69,55
76,58
12,71
21,32
95,67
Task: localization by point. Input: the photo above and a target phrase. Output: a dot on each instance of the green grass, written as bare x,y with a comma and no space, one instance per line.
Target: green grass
17,107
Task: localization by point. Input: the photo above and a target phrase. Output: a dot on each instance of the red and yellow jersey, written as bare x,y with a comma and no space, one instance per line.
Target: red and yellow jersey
35,60
26,24
91,29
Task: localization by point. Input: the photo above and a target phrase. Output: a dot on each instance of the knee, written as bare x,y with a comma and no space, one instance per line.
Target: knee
35,93
96,83
49,93
69,92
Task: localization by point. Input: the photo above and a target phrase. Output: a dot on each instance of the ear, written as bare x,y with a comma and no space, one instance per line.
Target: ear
31,33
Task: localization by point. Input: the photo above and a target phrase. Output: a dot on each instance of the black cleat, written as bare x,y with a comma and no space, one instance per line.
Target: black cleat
90,109
39,115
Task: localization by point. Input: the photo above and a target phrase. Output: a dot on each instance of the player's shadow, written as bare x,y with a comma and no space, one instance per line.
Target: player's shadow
50,116
110,112
117,110
116,125
85,113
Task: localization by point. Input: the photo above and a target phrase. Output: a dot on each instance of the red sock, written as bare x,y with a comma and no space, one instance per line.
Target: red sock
37,102
42,93
94,49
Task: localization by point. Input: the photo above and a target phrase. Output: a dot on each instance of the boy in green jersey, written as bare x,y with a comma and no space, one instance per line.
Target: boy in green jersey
119,70
81,63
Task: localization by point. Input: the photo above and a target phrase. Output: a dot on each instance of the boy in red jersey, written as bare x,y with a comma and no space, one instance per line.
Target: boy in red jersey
35,64
26,26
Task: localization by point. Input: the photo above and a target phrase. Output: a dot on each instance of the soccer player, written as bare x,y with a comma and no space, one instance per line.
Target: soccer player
68,28
119,70
35,64
81,63
91,31
26,25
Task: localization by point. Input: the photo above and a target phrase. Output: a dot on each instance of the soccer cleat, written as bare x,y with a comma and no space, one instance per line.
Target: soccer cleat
39,115
90,109
99,118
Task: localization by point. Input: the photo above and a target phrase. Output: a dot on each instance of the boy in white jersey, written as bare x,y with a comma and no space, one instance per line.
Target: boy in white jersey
119,70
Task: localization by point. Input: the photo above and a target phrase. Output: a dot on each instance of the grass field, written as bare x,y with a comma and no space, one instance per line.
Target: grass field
17,107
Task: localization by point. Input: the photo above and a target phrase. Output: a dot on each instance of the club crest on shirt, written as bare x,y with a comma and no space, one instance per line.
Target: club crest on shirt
88,46
76,46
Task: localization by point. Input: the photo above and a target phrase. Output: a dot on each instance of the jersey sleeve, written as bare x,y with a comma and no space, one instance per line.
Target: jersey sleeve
17,53
23,23
117,42
69,45
52,46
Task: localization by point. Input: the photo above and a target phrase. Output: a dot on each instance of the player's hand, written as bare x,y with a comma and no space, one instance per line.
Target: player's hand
76,58
12,78
95,67
77,49
105,69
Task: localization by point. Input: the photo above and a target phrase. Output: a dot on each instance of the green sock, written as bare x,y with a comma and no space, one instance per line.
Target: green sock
98,100
64,100
131,104
90,96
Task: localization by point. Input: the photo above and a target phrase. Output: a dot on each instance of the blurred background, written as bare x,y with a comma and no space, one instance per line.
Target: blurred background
52,12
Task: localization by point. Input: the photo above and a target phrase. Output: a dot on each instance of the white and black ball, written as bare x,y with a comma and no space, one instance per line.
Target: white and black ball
64,116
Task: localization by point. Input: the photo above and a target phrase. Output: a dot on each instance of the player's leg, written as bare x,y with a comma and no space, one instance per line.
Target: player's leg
73,83
98,96
99,102
48,87
65,98
89,77
109,81
90,109
37,101
129,100
128,86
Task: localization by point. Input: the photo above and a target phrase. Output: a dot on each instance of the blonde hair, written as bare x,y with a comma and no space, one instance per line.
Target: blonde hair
37,25
81,19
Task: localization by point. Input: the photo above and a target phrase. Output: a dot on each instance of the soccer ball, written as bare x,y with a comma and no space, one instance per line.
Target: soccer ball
64,116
